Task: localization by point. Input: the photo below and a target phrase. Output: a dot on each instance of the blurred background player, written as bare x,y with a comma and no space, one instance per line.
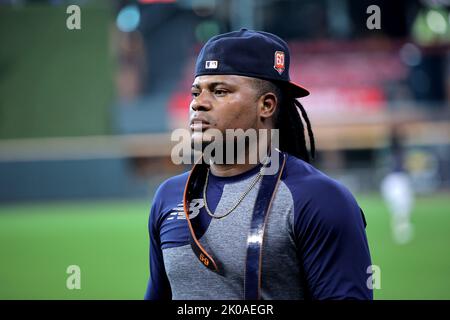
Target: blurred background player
397,190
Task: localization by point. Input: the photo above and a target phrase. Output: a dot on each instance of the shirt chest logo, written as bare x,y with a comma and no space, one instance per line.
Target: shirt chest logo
177,213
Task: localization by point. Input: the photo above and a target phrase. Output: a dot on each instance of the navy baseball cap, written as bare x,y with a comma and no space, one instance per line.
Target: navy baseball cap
248,53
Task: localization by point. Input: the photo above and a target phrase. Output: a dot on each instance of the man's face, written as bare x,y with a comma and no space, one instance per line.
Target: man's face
222,102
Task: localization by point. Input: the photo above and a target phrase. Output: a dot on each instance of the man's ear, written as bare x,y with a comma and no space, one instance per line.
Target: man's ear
267,105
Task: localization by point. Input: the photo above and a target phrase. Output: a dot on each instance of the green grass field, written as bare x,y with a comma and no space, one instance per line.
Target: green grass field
108,240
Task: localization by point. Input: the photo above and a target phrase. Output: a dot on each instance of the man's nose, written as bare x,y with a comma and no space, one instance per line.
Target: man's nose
201,102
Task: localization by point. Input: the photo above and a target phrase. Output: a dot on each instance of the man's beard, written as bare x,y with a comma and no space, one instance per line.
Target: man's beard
217,150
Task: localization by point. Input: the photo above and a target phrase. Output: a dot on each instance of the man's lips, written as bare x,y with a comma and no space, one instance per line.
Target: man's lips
199,125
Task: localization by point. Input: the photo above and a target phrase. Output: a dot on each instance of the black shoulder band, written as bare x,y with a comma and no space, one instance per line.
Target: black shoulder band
255,238
194,184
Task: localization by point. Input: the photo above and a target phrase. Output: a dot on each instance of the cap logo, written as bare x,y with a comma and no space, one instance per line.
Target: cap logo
279,61
211,64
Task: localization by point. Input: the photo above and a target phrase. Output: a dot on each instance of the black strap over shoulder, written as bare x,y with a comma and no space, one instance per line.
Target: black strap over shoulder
193,186
255,237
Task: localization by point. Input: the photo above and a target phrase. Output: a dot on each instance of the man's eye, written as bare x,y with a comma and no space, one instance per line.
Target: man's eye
195,94
220,92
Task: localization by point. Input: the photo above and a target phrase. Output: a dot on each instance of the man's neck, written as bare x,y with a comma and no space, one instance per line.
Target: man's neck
229,170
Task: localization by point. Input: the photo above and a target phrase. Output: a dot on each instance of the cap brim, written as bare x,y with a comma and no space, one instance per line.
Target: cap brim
297,90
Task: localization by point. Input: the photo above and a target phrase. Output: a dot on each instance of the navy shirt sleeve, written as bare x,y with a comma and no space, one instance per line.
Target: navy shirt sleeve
330,235
158,287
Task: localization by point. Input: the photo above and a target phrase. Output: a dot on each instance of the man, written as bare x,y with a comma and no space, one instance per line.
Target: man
295,234
398,192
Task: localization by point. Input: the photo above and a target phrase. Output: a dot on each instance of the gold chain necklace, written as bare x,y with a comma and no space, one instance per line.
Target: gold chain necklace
255,180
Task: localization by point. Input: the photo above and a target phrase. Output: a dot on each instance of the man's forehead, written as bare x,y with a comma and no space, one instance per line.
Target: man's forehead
231,79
